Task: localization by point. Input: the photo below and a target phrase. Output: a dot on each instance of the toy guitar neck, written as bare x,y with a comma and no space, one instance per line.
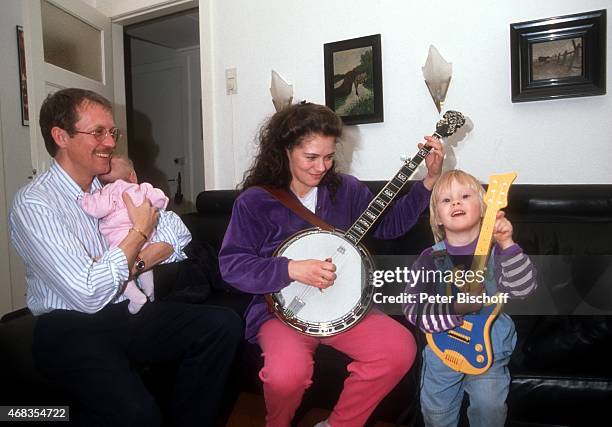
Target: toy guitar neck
467,348
495,199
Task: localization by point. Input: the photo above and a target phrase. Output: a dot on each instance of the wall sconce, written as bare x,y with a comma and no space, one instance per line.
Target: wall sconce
282,92
437,73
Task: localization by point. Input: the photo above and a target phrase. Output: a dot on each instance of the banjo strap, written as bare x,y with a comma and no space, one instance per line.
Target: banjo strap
294,205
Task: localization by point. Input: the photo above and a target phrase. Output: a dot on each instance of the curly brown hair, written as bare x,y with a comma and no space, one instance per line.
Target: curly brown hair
283,131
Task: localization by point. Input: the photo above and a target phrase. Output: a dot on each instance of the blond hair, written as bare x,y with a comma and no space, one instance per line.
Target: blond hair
121,168
442,184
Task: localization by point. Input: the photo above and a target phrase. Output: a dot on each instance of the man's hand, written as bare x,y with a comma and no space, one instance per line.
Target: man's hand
144,217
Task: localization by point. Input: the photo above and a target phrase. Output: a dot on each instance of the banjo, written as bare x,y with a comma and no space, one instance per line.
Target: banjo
327,312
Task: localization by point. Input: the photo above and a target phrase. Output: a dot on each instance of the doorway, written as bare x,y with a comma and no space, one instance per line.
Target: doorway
163,105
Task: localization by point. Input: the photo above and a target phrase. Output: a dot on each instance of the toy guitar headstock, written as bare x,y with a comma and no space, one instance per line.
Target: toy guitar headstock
497,191
450,122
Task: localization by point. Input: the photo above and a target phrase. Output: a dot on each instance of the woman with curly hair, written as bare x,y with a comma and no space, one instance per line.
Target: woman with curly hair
297,146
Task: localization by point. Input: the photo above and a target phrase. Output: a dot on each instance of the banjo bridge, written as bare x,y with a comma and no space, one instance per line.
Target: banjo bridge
294,307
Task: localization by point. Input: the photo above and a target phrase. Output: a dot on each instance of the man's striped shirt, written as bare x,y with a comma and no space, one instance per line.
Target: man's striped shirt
68,263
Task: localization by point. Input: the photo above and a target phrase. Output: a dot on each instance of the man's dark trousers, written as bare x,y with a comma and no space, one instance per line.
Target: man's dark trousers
92,356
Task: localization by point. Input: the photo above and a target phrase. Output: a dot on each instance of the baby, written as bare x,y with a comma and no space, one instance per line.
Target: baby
107,205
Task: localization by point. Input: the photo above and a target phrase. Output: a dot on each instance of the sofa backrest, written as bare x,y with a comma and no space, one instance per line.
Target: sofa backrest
548,219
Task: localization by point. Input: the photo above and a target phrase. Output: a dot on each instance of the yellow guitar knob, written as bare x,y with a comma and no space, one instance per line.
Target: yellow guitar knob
480,358
478,347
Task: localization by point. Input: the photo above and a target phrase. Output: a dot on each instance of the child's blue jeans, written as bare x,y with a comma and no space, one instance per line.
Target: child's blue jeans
442,393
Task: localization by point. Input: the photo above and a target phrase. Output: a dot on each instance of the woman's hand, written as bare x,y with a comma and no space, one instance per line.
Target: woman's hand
502,231
433,161
313,272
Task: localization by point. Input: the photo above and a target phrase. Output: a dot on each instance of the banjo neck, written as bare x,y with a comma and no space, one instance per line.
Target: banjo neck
384,198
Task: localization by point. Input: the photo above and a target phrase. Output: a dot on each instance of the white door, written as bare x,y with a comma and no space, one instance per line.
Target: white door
69,45
160,145
6,303
44,78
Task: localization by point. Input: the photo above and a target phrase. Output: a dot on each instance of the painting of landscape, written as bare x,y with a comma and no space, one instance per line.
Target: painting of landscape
556,59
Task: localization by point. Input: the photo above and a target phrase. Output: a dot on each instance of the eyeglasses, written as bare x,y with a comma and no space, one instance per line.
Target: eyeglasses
100,133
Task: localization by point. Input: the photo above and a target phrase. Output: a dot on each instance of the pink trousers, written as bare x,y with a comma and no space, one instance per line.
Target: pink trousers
382,351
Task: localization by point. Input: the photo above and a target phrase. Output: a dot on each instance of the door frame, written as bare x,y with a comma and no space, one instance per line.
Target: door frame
206,70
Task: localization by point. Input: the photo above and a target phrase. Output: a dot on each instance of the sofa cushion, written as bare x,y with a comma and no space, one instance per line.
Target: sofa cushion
570,345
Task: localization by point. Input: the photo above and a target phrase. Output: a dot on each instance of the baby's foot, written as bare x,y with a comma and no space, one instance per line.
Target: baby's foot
148,291
134,307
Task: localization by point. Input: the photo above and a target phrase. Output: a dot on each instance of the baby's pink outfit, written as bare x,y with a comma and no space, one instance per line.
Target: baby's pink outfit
107,205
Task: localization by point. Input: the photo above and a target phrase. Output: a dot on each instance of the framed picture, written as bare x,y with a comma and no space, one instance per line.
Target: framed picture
353,79
559,57
23,81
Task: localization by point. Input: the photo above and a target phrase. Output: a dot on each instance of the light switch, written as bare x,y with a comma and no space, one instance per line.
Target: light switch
231,81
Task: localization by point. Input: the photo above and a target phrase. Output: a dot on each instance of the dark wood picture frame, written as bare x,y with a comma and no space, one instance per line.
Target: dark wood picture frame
560,57
353,79
23,79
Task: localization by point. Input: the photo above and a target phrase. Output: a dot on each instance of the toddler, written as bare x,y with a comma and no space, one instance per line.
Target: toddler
456,211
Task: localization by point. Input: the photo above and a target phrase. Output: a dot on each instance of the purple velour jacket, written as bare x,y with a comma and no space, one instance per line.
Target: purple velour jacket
260,223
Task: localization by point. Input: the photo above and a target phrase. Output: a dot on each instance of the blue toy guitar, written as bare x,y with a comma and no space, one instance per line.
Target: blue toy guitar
467,348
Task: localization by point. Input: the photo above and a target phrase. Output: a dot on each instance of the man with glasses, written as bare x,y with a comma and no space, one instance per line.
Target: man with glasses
85,338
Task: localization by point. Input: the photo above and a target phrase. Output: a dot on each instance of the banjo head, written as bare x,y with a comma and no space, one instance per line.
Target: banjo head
333,310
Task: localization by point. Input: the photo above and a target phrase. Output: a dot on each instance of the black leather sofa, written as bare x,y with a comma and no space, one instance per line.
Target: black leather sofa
561,374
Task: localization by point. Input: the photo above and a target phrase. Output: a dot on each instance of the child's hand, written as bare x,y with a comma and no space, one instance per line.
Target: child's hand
502,231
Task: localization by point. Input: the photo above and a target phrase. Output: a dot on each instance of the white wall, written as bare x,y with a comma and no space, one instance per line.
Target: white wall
560,141
15,158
